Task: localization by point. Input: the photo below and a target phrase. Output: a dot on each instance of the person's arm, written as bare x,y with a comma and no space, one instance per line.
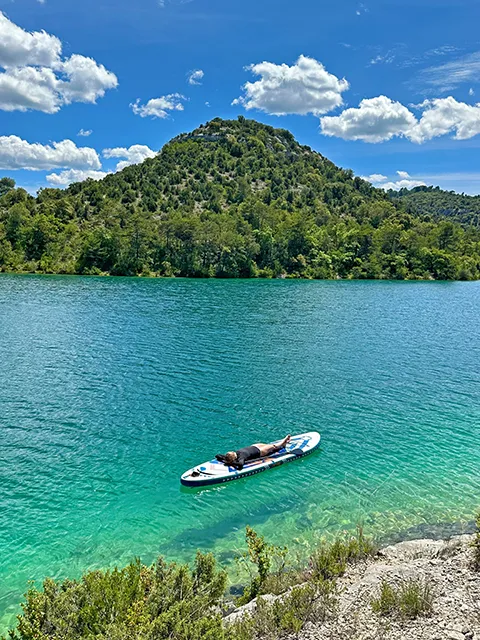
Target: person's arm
239,462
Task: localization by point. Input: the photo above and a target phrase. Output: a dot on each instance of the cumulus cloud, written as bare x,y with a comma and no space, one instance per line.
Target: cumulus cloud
133,155
158,107
65,178
305,87
16,153
20,48
36,77
86,80
380,119
85,133
375,120
195,77
446,115
405,182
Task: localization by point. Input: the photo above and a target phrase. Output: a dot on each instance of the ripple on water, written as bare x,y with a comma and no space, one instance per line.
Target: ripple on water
112,387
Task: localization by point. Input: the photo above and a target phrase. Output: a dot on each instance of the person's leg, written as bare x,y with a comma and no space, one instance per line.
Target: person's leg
268,449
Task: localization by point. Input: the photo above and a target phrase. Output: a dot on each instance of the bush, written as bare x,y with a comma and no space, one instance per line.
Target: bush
160,601
311,602
387,600
264,557
413,598
331,559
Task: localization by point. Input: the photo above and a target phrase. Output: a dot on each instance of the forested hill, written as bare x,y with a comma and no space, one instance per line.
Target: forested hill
231,199
440,204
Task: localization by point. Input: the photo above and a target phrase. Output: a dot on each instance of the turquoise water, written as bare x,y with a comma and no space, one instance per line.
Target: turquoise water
110,388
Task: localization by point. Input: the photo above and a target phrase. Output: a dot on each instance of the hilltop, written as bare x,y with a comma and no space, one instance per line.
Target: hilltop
233,198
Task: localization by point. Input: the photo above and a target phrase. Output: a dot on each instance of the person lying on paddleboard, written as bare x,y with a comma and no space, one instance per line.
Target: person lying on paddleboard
237,459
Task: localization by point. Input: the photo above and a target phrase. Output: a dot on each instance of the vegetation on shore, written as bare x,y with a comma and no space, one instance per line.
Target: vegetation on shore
181,603
178,602
232,199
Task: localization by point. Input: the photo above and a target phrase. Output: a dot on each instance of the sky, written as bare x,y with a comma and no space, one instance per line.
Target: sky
387,88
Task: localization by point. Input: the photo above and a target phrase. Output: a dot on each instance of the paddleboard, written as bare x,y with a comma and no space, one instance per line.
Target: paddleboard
215,472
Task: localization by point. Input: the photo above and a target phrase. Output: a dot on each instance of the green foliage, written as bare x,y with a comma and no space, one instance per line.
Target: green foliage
161,601
476,545
413,598
263,556
330,560
287,615
438,203
232,199
386,602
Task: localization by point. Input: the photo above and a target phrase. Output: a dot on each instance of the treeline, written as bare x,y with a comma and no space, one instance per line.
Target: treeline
438,203
231,199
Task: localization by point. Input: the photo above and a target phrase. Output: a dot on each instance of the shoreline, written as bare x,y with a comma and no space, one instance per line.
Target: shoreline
444,566
257,278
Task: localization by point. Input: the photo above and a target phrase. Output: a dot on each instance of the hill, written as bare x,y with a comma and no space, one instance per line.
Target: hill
439,204
230,199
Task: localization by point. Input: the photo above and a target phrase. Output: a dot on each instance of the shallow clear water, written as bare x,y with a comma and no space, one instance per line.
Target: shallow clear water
110,388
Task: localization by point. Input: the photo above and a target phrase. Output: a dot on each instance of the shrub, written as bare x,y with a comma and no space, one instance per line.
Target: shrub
311,602
413,598
330,560
386,602
263,556
160,601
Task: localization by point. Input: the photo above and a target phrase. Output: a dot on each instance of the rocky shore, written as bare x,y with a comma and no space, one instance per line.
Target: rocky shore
445,566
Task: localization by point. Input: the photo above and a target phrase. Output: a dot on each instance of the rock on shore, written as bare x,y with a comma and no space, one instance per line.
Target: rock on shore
444,565
446,568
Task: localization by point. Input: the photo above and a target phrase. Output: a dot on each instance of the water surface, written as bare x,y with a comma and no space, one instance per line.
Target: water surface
111,388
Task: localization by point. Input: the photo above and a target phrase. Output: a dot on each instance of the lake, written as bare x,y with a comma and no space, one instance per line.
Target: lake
112,387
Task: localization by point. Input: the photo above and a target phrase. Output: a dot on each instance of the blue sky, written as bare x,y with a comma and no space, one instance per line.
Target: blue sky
380,87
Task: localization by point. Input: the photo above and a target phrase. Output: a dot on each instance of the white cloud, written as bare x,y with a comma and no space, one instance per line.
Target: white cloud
446,115
87,80
19,48
471,91
16,153
133,155
158,107
450,75
25,88
65,178
405,182
35,76
85,133
385,58
375,178
375,120
195,77
305,87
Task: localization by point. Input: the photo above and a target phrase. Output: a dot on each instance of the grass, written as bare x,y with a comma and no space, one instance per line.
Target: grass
411,599
330,560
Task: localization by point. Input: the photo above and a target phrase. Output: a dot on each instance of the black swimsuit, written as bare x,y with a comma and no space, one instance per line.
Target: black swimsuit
244,455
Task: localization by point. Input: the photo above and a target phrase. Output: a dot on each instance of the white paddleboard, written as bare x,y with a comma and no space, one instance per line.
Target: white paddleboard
215,472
